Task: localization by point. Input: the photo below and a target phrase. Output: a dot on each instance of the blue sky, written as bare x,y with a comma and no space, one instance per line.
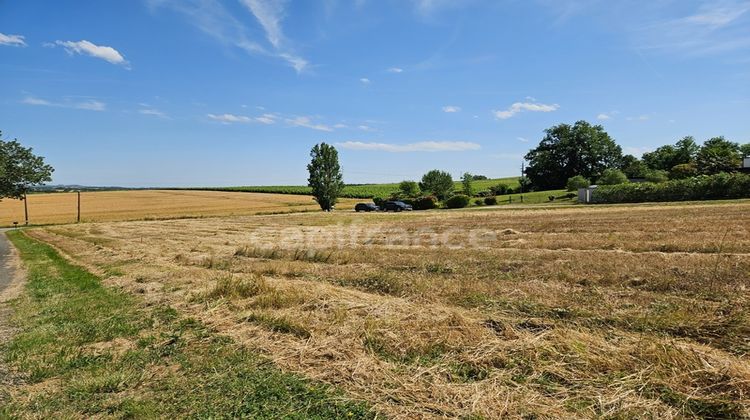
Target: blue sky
235,92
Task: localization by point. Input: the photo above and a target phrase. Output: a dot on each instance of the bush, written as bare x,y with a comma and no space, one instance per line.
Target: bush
657,176
490,201
425,203
457,201
379,201
704,187
484,194
499,189
577,182
409,189
683,170
478,202
612,177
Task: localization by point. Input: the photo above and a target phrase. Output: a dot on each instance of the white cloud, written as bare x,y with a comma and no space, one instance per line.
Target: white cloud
91,105
266,119
105,53
395,70
519,107
716,26
429,7
88,105
269,14
639,118
365,80
12,40
451,108
36,101
340,125
307,122
153,112
211,17
603,117
424,146
229,118
522,139
365,128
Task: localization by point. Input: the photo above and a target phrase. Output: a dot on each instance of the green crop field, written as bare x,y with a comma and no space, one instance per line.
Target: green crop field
359,191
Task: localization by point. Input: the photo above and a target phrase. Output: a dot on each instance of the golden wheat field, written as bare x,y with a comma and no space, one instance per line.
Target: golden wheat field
616,312
150,204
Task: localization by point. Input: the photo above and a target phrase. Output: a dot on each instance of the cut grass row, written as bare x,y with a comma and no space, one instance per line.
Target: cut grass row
86,350
360,191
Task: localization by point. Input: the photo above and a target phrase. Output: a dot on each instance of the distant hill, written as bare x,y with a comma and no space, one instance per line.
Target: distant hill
357,190
75,187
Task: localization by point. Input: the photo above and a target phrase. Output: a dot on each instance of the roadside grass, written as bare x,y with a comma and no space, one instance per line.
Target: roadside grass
86,350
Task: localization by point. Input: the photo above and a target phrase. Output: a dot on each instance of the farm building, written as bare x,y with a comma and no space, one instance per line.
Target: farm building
585,194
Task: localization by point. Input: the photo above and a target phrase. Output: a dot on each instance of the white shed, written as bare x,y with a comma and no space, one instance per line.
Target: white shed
585,194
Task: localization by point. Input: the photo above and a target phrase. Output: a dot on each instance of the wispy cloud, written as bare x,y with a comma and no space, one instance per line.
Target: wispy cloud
519,107
395,70
88,105
451,108
365,81
229,118
423,146
429,7
12,40
270,14
522,139
211,17
603,117
307,122
267,119
153,113
639,118
716,26
102,52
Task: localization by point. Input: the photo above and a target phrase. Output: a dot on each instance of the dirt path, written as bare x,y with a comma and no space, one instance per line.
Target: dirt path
9,288
7,263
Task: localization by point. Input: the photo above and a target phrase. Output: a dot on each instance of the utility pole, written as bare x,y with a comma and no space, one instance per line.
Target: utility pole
523,171
26,208
78,219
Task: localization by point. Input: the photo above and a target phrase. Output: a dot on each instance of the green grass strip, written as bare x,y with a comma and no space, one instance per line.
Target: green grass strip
90,350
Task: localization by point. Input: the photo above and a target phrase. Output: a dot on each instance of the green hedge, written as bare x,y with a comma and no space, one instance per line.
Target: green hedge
705,187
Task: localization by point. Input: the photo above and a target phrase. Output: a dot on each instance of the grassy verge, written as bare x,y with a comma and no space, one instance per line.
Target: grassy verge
85,350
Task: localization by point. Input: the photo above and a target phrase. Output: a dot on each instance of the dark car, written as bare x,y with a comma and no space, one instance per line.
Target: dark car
396,206
366,207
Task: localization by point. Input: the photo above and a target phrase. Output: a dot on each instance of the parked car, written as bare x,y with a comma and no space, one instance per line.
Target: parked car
366,207
396,206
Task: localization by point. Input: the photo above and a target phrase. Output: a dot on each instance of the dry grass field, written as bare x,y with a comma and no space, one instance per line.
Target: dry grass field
150,204
617,312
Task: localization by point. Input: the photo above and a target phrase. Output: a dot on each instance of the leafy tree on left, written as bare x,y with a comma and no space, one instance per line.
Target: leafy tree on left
20,169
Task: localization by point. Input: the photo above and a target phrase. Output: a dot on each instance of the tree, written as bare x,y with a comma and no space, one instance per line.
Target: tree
718,155
466,182
484,178
576,182
567,151
438,183
656,176
612,177
325,178
683,170
666,157
20,169
409,189
633,167
745,150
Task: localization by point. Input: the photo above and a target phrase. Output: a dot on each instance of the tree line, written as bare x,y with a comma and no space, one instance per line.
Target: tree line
587,152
